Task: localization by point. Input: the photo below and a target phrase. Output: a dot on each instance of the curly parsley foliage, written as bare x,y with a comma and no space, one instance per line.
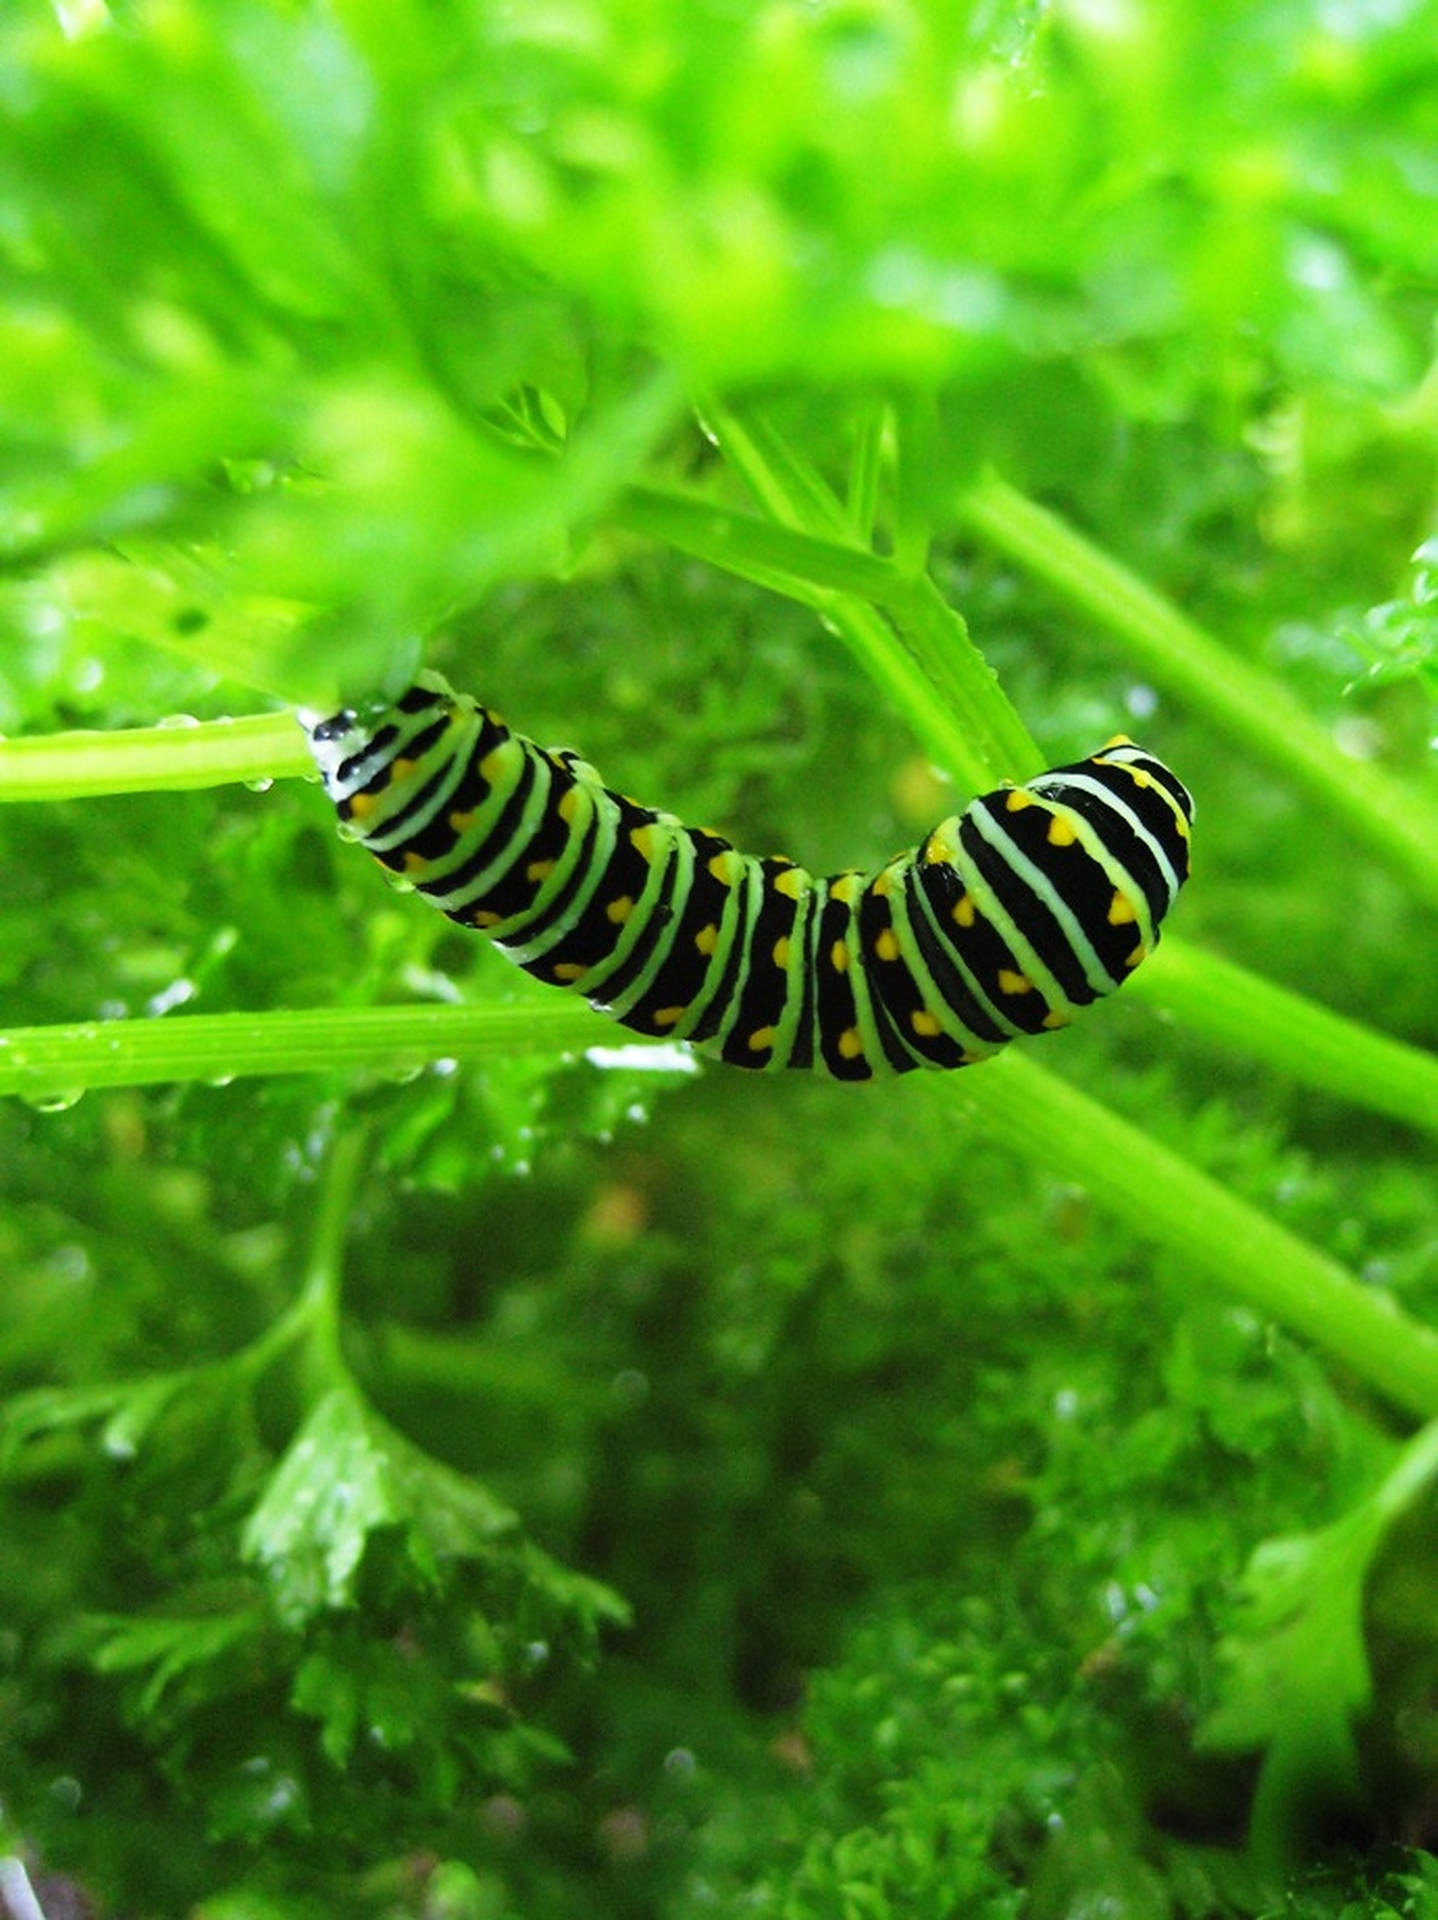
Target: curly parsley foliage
926,1485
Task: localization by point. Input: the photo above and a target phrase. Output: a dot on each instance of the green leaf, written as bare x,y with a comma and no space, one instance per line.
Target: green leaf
328,1690
171,1646
1297,1664
346,1475
129,1409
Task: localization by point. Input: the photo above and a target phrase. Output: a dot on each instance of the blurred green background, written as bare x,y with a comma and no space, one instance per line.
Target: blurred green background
530,1487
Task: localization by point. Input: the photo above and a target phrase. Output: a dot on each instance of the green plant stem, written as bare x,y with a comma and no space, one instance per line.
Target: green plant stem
318,1306
866,463
1212,1234
1267,1023
1246,703
54,1065
990,739
211,753
856,594
801,565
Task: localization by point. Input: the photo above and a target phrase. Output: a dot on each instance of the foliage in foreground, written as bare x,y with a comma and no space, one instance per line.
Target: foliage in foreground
552,1487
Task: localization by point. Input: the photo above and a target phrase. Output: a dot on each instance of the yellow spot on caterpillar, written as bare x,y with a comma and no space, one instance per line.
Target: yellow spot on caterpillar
618,911
839,955
402,768
482,917
1121,912
1011,982
1061,833
1018,800
887,945
414,862
707,938
1139,953
725,867
362,806
781,951
669,1016
491,767
569,805
968,1058
566,972
642,841
965,912
1119,740
790,882
924,1023
462,822
882,884
1180,821
851,1043
936,853
538,870
1054,1019
845,887
760,1040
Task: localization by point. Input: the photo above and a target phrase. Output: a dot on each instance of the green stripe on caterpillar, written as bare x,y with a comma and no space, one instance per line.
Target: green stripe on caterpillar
1007,919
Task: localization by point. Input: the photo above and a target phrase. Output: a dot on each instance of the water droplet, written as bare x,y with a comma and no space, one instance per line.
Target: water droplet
281,1797
175,995
630,1388
57,1100
69,1265
673,1058
260,785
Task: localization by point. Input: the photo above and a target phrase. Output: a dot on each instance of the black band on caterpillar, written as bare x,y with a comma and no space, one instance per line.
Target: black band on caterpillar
1006,919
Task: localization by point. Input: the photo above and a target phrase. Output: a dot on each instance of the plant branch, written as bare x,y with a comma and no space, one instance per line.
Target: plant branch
1249,705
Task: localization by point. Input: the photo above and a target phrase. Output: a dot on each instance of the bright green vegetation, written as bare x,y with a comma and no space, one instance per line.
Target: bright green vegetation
447,1473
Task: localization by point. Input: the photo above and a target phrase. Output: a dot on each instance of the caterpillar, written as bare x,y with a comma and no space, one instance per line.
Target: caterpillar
1006,919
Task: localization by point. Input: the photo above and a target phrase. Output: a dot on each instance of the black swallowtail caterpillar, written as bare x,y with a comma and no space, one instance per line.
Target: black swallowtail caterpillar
1006,919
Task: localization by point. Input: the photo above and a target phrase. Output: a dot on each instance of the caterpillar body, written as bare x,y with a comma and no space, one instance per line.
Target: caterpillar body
1006,919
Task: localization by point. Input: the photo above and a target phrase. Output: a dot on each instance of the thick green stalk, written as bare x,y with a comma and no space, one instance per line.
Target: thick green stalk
1246,703
1218,1238
210,753
53,1066
1269,1024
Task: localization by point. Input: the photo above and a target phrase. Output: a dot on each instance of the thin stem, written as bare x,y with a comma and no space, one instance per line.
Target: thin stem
318,1306
987,738
859,597
866,461
810,566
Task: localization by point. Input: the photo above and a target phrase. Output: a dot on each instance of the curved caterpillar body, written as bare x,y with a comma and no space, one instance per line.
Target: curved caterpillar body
1006,919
